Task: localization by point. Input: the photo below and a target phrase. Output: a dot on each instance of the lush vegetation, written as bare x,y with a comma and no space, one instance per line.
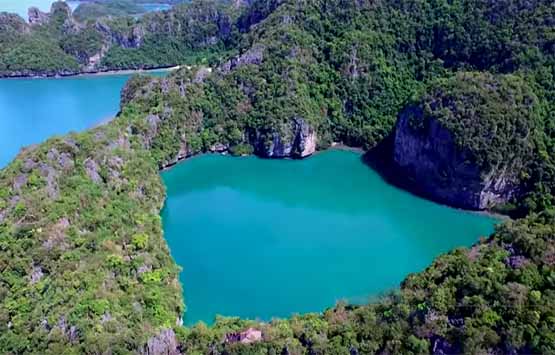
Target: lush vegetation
63,43
84,267
472,106
83,257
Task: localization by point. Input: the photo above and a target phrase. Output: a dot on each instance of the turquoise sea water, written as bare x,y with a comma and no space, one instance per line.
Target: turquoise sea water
268,238
32,110
156,7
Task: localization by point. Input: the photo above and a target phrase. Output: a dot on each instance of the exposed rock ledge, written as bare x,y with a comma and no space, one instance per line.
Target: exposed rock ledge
439,170
297,141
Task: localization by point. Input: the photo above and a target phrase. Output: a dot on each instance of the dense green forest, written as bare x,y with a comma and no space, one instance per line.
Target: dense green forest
84,267
62,43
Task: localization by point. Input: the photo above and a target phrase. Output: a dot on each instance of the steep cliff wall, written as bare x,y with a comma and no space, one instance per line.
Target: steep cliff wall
296,139
468,141
430,159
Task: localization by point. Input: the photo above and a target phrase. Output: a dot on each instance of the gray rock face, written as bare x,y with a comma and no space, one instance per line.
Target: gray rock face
36,274
19,182
254,55
70,332
297,141
60,8
164,343
202,74
58,11
218,148
10,23
439,170
37,17
130,39
305,139
153,122
92,169
51,175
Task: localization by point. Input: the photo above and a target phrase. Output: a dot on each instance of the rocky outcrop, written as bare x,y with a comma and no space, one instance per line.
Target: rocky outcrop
254,55
241,3
60,8
92,169
248,336
196,25
297,140
429,159
165,343
131,38
37,17
11,24
257,12
60,12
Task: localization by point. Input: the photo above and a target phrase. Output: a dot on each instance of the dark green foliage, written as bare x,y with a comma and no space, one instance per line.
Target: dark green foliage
95,248
82,45
23,57
496,119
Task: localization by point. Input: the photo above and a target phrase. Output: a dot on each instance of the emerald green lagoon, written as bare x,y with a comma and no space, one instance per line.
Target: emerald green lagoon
268,238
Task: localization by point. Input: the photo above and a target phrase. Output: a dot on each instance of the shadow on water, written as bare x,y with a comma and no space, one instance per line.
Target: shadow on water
380,159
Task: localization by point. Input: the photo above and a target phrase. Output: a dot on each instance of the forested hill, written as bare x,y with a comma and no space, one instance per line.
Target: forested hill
58,43
465,87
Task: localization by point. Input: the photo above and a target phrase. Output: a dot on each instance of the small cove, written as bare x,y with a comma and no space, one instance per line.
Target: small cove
269,238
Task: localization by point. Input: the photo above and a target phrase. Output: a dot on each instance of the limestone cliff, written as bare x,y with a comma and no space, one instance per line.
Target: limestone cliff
469,140
438,169
296,140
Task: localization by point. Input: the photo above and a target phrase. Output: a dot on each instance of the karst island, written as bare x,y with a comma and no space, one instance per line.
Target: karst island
219,177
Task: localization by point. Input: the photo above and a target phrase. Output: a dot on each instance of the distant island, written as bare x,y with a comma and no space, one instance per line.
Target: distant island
453,100
96,38
92,10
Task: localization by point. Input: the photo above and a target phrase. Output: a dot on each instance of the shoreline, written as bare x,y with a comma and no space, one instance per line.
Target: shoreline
125,72
94,73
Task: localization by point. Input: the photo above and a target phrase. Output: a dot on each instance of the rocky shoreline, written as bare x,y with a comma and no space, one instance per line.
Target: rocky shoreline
67,74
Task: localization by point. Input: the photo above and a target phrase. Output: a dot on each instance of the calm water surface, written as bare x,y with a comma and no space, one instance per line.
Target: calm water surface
268,238
32,110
